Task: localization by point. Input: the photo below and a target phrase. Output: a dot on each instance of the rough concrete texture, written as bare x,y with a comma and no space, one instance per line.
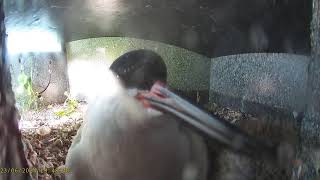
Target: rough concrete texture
51,80
210,27
48,72
253,82
187,70
310,126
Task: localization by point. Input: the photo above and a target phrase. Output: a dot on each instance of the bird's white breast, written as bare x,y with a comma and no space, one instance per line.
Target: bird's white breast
120,139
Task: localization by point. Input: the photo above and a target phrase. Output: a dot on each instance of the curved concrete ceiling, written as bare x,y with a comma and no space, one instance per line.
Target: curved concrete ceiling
209,27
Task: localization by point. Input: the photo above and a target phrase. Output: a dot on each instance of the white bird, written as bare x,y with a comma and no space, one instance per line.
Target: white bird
137,130
122,139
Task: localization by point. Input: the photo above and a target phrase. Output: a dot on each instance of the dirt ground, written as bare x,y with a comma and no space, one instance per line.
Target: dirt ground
47,137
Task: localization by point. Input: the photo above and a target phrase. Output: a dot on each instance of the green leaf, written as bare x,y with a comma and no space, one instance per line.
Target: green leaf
60,113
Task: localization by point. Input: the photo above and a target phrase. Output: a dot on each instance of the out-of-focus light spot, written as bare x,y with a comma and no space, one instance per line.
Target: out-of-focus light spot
36,40
266,86
101,50
110,5
91,79
19,90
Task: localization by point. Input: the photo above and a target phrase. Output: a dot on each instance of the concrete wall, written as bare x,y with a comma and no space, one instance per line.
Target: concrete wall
187,71
255,82
209,27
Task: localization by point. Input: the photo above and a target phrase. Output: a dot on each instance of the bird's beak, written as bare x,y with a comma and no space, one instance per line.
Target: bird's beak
163,99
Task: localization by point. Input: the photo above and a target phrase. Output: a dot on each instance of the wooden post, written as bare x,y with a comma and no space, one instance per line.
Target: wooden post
12,158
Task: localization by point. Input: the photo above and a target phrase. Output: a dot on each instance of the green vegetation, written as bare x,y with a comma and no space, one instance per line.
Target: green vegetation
27,98
70,106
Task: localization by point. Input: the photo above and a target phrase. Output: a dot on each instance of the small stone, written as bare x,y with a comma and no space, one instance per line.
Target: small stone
43,131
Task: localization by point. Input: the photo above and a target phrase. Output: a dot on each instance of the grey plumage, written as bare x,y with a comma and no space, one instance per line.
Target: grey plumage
120,140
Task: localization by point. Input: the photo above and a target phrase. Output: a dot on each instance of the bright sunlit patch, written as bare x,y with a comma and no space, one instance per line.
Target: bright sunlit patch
35,40
27,124
91,79
109,5
19,90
